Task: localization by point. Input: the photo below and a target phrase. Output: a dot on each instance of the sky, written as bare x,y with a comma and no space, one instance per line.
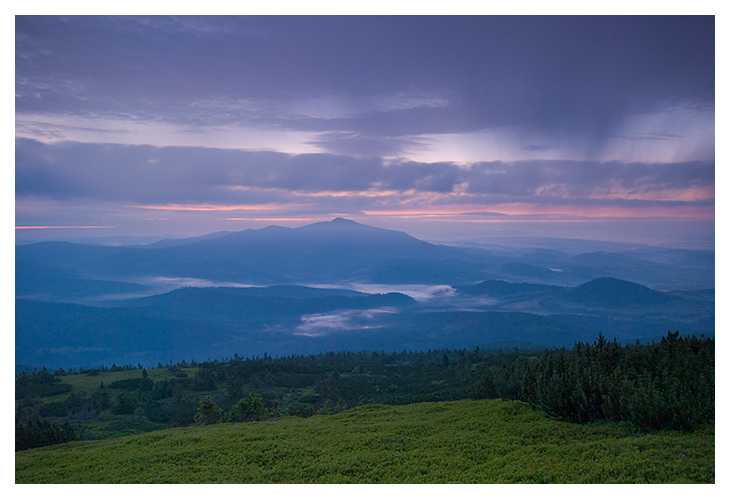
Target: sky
446,127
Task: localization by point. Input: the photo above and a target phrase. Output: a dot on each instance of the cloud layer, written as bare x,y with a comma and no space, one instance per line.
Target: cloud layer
174,176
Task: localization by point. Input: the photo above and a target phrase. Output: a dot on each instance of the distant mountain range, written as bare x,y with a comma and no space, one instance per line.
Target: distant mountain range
340,285
601,292
343,250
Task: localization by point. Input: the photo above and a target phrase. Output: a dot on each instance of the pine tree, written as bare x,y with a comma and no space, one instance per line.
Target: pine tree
208,412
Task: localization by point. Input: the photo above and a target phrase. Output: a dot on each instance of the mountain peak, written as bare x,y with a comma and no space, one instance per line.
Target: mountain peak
339,224
340,220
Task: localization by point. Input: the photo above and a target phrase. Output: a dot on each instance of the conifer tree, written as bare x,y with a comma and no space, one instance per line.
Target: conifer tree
208,412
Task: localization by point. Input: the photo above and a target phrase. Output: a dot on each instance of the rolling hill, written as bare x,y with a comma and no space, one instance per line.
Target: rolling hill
610,292
485,441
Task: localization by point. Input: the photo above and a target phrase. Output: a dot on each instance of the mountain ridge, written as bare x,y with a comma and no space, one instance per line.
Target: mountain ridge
327,251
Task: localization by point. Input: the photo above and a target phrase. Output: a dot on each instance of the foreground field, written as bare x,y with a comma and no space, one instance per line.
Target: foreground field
485,441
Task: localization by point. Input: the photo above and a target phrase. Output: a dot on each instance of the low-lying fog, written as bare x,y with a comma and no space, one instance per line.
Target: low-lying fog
432,296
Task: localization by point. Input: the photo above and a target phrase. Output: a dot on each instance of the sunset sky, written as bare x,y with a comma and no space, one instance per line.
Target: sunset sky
443,127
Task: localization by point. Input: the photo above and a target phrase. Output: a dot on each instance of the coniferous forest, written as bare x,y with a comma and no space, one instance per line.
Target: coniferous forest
665,385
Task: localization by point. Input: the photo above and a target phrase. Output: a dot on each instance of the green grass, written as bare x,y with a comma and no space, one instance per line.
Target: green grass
86,383
486,441
112,426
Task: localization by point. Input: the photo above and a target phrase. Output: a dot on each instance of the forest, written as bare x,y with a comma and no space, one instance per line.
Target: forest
668,384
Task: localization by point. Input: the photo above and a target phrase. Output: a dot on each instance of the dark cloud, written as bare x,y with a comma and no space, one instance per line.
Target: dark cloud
399,122
353,144
572,75
147,174
585,179
645,136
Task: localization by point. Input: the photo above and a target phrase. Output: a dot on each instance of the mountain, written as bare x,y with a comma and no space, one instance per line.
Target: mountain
342,250
322,252
600,292
51,282
243,305
170,242
202,323
503,289
63,254
610,292
195,323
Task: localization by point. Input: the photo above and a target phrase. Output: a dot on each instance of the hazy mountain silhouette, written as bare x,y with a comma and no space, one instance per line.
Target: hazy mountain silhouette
503,288
600,292
610,292
168,243
343,250
320,252
246,304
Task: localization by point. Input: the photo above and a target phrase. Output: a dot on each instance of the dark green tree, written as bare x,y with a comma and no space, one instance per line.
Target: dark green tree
204,380
208,412
39,432
126,403
101,399
146,384
249,408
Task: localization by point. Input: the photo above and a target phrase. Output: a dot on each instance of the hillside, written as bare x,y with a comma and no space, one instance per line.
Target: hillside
607,291
446,442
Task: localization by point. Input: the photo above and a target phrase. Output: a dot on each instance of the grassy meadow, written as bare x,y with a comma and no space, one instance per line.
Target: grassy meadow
467,441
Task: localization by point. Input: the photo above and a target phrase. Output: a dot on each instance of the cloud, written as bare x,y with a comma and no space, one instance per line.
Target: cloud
537,147
378,80
353,144
346,320
165,122
206,179
591,180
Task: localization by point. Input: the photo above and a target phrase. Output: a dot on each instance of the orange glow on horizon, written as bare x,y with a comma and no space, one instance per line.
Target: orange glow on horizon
277,219
214,207
527,210
64,227
689,194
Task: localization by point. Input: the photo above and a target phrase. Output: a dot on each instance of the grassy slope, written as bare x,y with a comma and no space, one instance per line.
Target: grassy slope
88,384
450,442
91,383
